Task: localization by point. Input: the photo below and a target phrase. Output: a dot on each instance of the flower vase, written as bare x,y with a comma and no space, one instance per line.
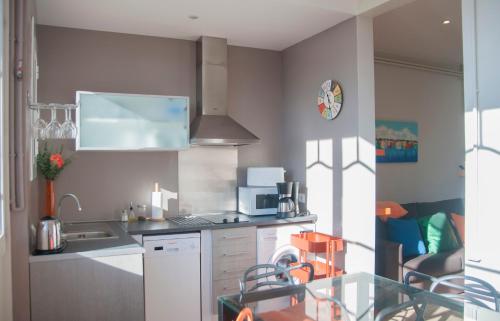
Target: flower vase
50,198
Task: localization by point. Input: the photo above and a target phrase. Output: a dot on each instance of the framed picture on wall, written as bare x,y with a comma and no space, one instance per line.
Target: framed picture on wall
397,141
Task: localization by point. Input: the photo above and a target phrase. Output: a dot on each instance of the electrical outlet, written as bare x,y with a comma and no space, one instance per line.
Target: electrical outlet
302,197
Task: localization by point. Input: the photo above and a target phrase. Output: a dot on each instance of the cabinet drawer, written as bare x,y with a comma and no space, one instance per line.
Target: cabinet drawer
231,268
241,235
225,287
235,250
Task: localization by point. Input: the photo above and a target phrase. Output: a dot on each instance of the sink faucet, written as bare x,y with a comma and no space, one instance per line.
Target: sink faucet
73,196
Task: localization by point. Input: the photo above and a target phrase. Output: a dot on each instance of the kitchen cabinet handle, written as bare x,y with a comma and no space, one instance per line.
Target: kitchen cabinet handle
474,260
235,254
271,238
234,237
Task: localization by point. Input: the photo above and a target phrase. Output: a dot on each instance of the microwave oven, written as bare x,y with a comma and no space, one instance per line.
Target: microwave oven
258,200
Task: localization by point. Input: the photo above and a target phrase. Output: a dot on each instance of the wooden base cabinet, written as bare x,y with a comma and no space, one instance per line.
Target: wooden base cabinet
87,289
231,252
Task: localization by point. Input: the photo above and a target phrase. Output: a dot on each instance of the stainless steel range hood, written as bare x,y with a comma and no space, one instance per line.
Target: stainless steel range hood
212,125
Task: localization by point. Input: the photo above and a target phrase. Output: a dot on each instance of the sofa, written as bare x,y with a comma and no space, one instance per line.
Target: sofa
389,260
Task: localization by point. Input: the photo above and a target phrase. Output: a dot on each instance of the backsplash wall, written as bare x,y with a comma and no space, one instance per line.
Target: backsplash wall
74,59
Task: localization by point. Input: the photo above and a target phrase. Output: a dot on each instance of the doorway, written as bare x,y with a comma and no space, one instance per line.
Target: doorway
420,136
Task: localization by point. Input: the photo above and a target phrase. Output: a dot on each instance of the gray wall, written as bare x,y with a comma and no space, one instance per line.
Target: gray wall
72,59
334,158
306,65
6,311
21,219
435,102
256,100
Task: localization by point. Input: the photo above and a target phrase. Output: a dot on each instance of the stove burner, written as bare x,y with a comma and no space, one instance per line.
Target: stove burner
226,218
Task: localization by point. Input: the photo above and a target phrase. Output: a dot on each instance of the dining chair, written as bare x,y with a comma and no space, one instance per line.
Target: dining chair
270,275
473,290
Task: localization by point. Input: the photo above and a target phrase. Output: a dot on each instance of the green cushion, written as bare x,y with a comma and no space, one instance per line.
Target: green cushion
438,233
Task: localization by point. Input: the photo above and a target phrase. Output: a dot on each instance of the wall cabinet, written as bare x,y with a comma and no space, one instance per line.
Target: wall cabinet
88,289
109,121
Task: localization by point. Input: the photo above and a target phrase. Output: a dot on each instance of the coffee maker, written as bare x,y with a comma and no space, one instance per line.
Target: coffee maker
286,205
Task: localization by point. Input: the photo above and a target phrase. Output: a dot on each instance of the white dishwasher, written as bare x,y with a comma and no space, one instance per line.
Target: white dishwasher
172,277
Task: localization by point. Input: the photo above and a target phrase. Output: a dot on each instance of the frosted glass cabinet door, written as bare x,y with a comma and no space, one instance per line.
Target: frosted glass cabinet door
108,121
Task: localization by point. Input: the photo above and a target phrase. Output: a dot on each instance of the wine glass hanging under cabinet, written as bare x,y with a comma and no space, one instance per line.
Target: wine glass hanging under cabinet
51,128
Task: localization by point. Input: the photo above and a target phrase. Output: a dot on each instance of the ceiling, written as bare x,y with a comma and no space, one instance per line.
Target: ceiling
267,24
415,32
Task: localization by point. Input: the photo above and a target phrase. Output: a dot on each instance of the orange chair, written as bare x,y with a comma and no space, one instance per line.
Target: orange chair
245,315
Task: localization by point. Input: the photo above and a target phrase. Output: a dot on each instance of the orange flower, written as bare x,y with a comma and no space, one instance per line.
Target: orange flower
57,160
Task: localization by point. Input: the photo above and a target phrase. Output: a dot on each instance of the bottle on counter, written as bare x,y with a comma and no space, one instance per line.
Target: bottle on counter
124,216
131,213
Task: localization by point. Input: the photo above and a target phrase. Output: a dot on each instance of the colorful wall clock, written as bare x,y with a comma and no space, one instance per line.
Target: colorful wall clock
330,99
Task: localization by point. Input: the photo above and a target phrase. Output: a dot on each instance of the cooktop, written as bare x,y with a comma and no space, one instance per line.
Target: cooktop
189,221
226,218
209,219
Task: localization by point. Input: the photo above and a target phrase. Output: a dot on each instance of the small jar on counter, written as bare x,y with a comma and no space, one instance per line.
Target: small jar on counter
142,210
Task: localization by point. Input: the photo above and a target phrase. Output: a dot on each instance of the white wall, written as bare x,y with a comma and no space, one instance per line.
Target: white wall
335,159
482,132
435,102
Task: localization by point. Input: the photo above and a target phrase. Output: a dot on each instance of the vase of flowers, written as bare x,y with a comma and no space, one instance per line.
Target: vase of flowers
51,164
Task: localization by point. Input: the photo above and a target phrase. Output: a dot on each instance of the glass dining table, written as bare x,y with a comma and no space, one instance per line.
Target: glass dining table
357,296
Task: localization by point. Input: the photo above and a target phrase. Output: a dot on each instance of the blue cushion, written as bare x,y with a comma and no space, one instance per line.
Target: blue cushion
407,233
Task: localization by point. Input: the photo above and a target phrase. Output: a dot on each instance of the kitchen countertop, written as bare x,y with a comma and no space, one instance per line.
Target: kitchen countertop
123,244
167,227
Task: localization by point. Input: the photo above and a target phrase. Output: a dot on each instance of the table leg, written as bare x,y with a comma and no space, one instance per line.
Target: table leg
384,313
225,313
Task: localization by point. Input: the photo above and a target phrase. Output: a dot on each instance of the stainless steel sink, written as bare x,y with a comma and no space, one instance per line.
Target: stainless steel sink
92,235
87,232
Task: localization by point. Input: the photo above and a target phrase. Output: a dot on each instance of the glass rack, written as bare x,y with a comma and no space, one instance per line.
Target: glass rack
39,106
53,129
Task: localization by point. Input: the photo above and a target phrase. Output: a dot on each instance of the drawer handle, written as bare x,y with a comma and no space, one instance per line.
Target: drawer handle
234,254
234,237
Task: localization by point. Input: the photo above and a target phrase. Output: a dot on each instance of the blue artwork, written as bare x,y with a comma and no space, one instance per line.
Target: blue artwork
397,141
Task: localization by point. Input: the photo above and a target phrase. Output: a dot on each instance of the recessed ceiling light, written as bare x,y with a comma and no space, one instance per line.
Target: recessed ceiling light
193,17
446,22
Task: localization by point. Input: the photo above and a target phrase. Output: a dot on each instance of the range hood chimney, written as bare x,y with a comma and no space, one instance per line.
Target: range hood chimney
212,125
